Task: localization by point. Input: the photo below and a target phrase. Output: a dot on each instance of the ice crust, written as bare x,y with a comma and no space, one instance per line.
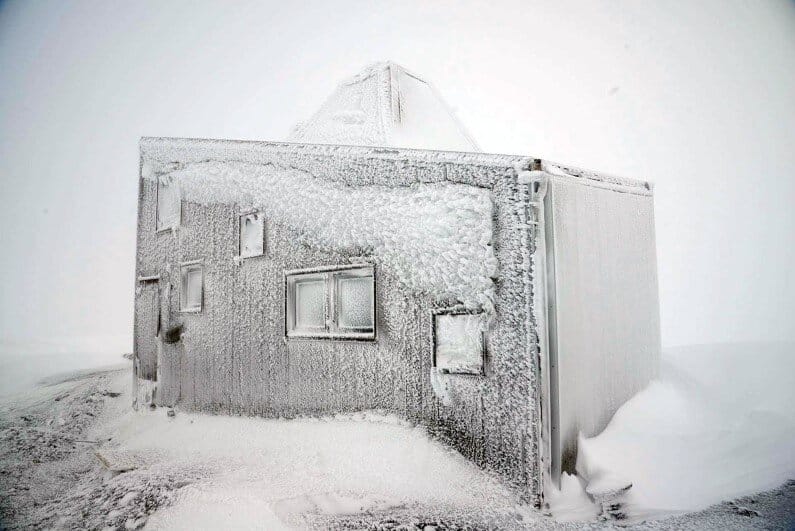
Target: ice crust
435,237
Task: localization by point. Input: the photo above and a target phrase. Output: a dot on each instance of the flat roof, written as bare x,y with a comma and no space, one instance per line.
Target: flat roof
191,150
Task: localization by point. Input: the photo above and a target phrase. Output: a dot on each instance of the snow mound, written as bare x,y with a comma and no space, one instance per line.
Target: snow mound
718,424
435,237
385,105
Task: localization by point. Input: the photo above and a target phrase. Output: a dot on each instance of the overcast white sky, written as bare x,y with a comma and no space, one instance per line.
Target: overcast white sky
698,97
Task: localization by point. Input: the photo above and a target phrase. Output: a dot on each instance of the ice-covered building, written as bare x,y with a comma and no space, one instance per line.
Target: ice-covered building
505,302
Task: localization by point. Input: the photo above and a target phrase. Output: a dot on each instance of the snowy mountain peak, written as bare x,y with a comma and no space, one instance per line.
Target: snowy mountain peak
386,105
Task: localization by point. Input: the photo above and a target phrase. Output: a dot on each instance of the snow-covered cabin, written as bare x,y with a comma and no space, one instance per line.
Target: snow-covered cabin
505,302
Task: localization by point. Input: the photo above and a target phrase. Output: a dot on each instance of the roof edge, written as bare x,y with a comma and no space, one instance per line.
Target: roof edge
432,155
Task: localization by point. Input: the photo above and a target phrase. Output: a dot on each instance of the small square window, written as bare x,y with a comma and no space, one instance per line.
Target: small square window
192,287
252,234
335,302
458,341
169,203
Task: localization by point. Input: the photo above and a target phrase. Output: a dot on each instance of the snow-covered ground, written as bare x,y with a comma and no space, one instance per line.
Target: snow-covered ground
276,471
23,363
713,428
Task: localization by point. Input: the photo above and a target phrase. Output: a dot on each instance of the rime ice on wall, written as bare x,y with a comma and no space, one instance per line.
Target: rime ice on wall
435,237
234,356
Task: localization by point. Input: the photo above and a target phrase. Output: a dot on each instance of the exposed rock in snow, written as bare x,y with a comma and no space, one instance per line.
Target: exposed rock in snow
49,475
385,105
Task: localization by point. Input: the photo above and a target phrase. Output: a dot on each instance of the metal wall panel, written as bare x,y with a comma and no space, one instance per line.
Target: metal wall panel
605,312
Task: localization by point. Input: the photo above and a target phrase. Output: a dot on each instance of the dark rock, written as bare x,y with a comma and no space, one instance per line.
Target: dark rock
745,511
173,334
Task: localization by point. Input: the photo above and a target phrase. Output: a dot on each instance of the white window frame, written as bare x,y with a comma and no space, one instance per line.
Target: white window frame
458,310
330,275
240,233
184,267
158,228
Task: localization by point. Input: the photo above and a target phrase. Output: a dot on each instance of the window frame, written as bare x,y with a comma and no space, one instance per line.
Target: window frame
158,228
184,267
331,330
452,311
240,234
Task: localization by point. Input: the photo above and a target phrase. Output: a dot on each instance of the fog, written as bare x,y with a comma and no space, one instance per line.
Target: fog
696,97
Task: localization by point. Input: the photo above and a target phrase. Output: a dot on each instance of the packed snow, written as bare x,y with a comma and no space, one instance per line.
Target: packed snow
435,237
712,428
199,471
277,471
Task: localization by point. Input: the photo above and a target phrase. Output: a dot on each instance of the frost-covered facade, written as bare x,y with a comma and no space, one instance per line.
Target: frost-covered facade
504,302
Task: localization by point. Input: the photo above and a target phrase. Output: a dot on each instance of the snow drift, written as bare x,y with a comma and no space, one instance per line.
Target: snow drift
718,424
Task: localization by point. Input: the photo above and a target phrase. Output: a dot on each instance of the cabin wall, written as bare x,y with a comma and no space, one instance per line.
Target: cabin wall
234,358
604,296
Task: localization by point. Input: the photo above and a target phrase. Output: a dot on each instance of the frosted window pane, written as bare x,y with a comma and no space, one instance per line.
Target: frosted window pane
252,235
310,304
168,203
192,288
459,343
355,302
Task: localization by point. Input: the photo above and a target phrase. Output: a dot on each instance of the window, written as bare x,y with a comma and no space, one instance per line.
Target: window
252,234
331,302
192,287
169,204
458,341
